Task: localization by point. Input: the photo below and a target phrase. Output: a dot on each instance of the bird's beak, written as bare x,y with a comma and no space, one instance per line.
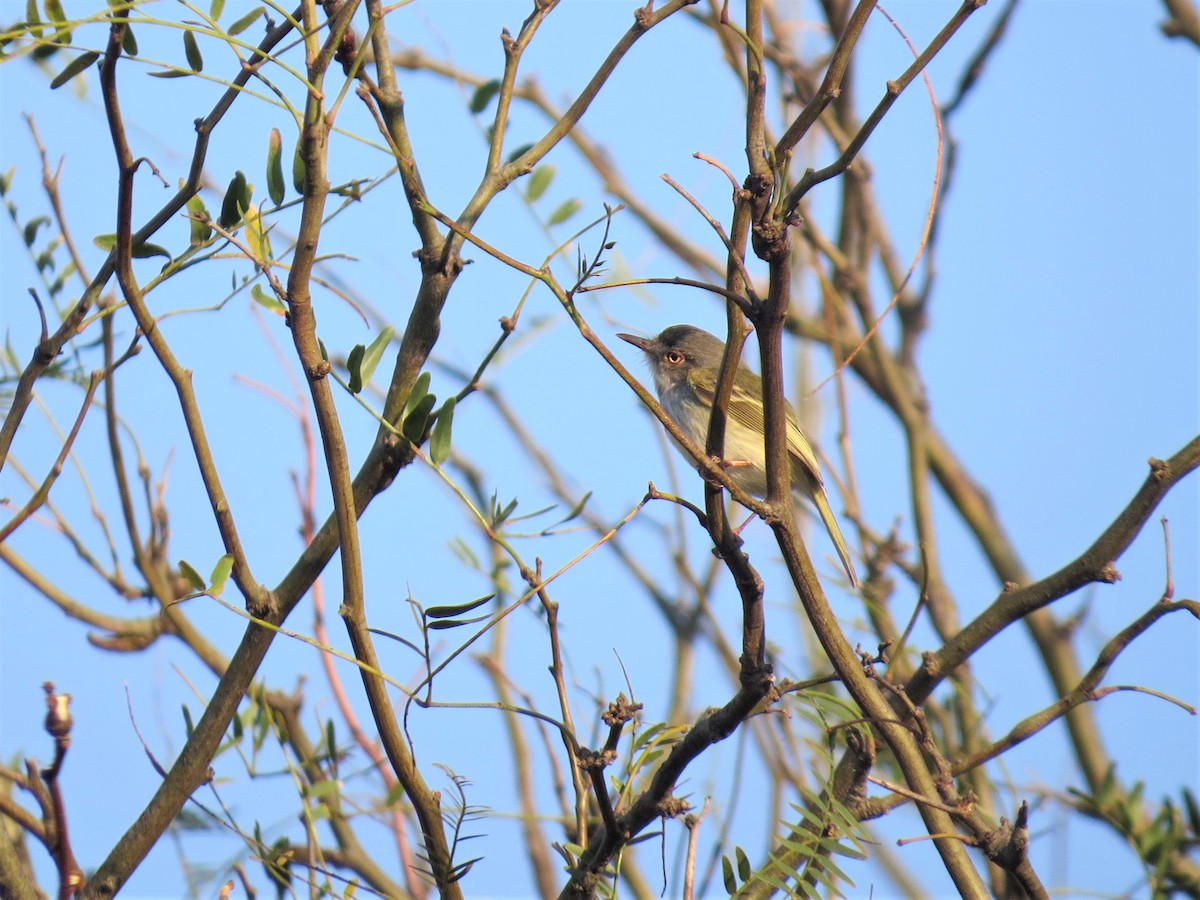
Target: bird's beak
646,345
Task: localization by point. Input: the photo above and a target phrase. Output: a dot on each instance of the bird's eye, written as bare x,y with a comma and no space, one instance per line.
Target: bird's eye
674,357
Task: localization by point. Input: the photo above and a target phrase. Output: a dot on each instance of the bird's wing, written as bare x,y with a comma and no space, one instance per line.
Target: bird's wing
747,410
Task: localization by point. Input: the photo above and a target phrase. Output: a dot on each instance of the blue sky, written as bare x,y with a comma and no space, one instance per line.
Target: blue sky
1062,353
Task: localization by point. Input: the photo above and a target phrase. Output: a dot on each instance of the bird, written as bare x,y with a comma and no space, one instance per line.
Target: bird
685,361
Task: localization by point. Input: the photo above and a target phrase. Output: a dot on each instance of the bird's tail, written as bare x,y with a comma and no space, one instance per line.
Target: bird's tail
822,503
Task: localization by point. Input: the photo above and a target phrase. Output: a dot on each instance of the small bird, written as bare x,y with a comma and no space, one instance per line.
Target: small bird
685,361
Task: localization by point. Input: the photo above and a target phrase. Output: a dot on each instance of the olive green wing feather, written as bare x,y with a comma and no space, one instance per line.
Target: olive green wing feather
747,410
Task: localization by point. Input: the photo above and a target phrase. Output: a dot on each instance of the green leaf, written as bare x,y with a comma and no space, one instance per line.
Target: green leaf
257,239
29,232
395,794
420,389
192,51
439,441
374,353
443,624
170,73
107,242
354,365
192,576
1193,810
188,727
727,875
73,68
33,19
414,423
539,181
54,12
502,514
128,41
215,10
519,152
459,609
245,21
323,789
275,167
267,299
201,229
299,181
648,733
743,864
220,574
483,95
575,511
565,211
147,250
233,204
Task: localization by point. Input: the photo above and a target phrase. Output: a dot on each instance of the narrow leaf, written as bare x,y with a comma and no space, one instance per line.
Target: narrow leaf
1193,810
395,794
231,204
147,250
565,211
443,624
33,20
29,232
54,12
459,609
323,789
727,875
192,576
192,51
215,10
539,181
256,236
414,424
128,41
483,95
201,231
245,21
374,353
188,727
743,864
220,574
74,67
275,167
575,511
267,299
439,441
507,511
354,365
419,390
519,152
299,181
